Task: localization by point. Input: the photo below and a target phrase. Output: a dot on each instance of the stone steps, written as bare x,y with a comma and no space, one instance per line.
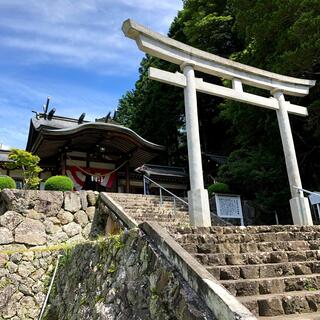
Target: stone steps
283,303
246,230
147,208
152,211
273,270
256,257
157,213
140,199
264,270
305,316
162,221
136,204
264,286
238,248
248,238
158,217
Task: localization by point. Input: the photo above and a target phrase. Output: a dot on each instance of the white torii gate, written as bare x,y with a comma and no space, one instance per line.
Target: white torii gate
191,59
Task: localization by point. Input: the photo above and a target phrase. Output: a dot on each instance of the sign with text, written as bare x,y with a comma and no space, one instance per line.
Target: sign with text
229,206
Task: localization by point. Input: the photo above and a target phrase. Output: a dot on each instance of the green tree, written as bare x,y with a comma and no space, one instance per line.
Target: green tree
156,110
283,37
279,36
29,165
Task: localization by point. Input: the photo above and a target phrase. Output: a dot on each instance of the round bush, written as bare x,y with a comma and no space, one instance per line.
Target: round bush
218,187
59,183
7,182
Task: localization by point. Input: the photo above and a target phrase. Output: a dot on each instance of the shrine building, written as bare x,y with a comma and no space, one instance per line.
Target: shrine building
101,155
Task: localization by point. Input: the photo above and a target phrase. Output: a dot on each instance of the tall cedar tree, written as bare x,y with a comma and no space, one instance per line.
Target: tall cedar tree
283,37
156,110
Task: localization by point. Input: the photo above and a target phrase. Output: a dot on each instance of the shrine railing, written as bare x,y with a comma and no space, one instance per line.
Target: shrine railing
146,188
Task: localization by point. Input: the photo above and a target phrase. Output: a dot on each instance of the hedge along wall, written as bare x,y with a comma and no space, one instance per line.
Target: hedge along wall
33,226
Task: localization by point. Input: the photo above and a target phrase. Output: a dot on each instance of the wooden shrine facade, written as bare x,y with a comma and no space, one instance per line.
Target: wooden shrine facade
101,155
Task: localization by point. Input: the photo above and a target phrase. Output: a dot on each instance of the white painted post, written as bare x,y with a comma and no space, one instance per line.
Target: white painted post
299,205
197,196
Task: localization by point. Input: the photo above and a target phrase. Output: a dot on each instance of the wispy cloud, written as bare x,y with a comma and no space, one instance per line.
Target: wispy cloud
18,99
72,50
79,33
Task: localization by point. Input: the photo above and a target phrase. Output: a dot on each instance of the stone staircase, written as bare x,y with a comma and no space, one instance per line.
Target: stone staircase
273,270
147,208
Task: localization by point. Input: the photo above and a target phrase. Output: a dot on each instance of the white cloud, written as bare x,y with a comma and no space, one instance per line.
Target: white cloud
69,40
18,99
79,33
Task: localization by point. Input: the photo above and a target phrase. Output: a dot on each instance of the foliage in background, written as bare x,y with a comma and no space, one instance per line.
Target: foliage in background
275,35
7,182
29,165
153,114
59,183
156,110
282,37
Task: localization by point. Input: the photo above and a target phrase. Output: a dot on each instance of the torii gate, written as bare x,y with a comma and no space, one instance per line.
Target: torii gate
191,59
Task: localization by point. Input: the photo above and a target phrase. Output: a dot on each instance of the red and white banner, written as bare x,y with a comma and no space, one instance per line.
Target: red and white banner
100,176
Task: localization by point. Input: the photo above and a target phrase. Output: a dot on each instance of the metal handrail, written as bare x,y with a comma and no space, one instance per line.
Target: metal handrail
164,189
306,191
311,193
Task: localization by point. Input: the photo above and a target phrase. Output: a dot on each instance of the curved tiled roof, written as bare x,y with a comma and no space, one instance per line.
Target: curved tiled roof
48,137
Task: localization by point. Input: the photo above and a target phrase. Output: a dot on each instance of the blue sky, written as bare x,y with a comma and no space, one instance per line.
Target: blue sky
73,51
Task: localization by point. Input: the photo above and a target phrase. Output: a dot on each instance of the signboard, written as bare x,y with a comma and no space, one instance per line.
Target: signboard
229,206
314,198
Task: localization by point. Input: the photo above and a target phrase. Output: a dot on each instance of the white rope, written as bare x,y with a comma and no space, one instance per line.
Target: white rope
91,174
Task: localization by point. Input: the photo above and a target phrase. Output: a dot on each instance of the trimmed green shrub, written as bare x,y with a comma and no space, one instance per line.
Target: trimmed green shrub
7,182
218,187
59,183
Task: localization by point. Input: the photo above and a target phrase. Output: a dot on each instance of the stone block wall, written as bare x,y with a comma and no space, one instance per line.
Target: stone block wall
121,277
34,225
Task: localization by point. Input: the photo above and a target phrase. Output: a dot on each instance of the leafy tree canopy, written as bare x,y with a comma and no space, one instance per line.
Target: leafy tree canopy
29,164
275,35
279,36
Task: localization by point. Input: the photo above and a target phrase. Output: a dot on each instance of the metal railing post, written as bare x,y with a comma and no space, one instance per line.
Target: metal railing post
161,189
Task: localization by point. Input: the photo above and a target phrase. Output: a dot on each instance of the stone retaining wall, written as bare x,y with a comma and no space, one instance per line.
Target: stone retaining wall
118,278
121,278
33,226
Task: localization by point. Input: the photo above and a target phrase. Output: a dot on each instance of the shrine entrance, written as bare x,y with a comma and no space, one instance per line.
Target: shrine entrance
190,59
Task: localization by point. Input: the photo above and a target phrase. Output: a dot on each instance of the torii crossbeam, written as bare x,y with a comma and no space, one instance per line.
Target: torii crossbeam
190,59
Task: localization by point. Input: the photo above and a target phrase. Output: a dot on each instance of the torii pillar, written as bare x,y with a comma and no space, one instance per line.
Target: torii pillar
299,204
191,59
198,198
